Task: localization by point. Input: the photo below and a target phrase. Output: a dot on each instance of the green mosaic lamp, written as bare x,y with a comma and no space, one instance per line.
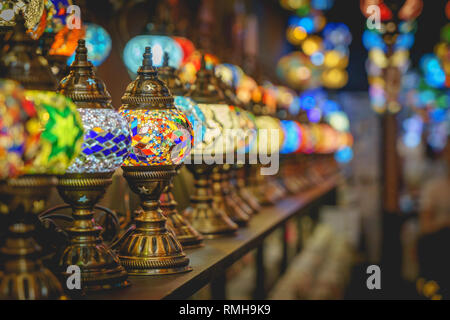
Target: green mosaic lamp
60,143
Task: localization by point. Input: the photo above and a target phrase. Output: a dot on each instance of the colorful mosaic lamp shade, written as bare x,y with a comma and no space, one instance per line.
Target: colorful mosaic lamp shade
222,121
161,135
161,140
185,104
107,139
62,132
106,144
19,130
188,236
134,49
244,127
292,133
98,43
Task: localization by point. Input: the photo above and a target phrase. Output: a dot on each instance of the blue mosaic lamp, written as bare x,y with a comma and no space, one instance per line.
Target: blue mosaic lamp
107,143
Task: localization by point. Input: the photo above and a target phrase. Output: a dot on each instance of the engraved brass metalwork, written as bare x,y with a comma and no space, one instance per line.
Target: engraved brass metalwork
23,274
150,249
183,230
203,214
100,266
222,196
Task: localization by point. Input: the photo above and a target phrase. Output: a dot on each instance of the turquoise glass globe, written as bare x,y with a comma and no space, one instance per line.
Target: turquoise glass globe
98,43
292,133
134,49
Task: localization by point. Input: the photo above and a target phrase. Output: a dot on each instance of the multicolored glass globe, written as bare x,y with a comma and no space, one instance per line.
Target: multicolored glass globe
107,139
159,137
161,134
292,134
185,104
134,49
98,43
62,132
195,116
19,130
106,143
246,129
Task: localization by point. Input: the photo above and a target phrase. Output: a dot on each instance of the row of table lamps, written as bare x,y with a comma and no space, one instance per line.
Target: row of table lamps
74,139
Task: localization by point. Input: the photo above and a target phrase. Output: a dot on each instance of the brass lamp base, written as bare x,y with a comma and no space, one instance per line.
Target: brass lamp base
100,266
184,231
258,186
223,199
24,277
210,220
242,188
234,190
150,249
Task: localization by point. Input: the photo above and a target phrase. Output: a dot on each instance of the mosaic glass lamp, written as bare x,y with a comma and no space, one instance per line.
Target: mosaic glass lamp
161,140
19,130
224,176
184,231
269,141
106,144
58,145
207,212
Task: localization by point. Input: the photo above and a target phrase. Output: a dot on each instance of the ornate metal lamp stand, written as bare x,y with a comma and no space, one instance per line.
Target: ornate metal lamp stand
151,248
100,267
185,233
222,196
24,276
243,188
204,215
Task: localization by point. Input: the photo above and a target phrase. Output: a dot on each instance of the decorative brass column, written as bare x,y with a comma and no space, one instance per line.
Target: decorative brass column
204,215
23,275
184,231
243,187
223,197
151,249
148,106
100,267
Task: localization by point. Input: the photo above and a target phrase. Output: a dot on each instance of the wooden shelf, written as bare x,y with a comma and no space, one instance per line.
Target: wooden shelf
211,261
